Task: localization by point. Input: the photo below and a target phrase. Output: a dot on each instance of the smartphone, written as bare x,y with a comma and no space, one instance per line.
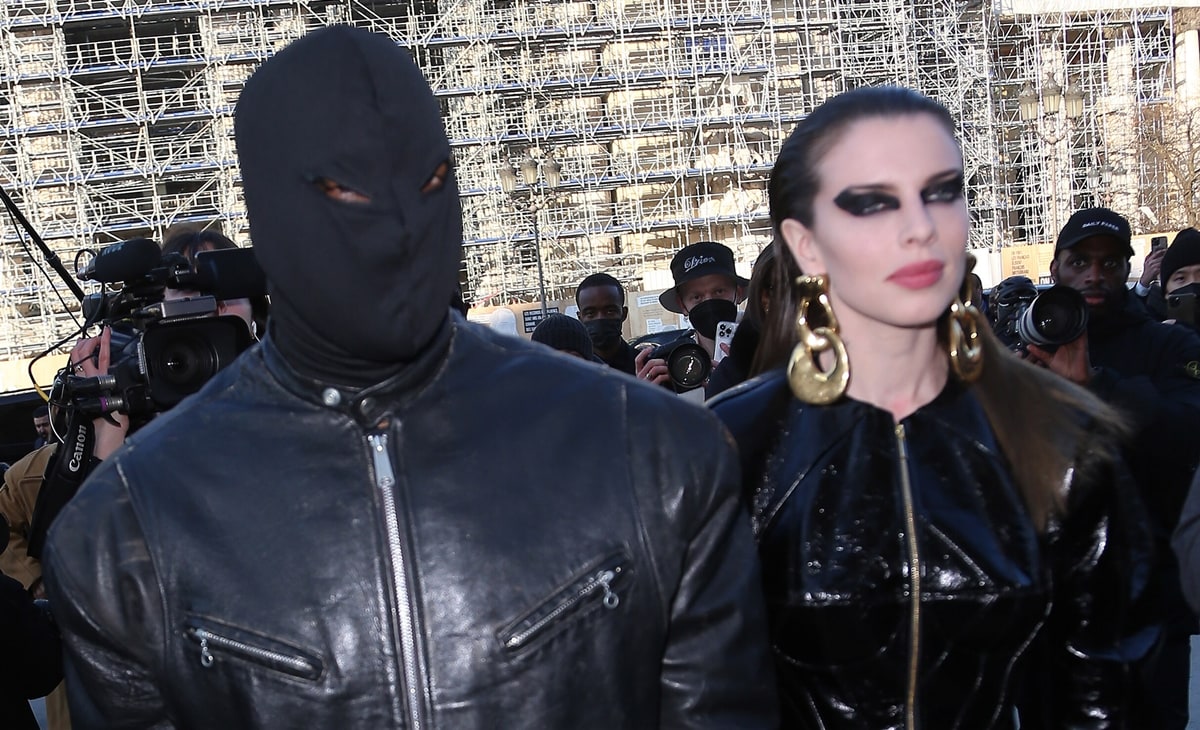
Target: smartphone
1158,243
1181,308
725,332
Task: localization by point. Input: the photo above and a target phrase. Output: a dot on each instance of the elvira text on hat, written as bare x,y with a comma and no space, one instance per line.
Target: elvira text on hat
694,261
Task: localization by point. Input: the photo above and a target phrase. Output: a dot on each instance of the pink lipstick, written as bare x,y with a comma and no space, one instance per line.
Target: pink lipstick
919,275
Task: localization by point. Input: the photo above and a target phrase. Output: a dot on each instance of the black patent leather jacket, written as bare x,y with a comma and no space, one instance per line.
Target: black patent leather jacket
905,579
499,537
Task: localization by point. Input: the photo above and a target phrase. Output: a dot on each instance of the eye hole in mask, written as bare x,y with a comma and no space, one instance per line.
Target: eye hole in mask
342,194
437,179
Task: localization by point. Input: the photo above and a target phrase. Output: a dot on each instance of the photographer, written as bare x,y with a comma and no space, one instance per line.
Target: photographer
40,484
1149,371
707,291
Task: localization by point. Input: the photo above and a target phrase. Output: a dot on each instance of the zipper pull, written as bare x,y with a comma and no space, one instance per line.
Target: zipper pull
206,657
605,579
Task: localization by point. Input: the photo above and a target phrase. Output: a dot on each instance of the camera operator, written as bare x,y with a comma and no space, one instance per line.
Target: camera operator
1148,370
24,482
707,291
190,243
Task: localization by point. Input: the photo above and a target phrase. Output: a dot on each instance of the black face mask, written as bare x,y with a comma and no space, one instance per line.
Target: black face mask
605,333
705,315
1193,289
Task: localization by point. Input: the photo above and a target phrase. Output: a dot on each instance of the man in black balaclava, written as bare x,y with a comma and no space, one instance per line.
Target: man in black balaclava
382,515
358,227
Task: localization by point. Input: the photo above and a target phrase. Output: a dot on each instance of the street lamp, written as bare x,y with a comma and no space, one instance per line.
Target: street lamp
1100,180
1041,113
532,195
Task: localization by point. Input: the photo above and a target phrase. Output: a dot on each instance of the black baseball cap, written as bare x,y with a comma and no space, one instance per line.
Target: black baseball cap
1095,222
694,261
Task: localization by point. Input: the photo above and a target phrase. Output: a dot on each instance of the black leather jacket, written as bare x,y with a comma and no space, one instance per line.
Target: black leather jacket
905,578
499,537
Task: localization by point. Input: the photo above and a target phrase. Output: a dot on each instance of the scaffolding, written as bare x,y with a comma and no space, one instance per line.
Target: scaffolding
664,117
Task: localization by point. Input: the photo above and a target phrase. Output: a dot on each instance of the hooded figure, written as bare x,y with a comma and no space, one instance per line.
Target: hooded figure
354,212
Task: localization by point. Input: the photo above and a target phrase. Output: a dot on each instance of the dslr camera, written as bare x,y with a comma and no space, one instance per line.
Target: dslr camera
687,362
162,351
1025,315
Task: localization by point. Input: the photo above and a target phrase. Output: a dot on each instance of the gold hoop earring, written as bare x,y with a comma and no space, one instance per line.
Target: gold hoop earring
965,347
808,382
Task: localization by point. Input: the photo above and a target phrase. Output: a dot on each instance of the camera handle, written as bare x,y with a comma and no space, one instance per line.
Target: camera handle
51,257
71,464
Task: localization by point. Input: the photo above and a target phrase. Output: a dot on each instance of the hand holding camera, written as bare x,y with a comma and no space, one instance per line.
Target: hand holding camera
91,358
651,368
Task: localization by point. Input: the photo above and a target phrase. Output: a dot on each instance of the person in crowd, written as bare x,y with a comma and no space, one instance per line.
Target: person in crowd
565,334
925,503
1148,288
1181,278
41,425
602,310
23,484
707,291
31,651
188,244
1151,372
18,499
371,533
742,362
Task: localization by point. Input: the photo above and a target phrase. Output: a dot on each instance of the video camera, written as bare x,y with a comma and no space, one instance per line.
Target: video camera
1025,315
162,350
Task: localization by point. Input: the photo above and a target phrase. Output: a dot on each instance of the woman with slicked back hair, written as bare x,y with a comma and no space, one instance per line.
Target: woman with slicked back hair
930,511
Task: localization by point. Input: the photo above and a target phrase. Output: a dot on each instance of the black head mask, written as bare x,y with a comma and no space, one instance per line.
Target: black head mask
356,287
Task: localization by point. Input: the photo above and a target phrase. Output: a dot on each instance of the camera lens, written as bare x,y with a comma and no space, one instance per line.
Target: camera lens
182,356
688,366
687,363
186,362
1057,316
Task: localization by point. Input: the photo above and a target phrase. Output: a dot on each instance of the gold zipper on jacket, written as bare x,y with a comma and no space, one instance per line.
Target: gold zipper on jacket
385,481
914,573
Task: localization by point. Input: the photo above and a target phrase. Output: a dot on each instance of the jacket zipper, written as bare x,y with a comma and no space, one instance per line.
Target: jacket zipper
291,664
601,579
914,572
385,481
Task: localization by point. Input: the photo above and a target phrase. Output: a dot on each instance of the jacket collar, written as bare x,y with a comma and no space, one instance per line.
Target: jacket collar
371,404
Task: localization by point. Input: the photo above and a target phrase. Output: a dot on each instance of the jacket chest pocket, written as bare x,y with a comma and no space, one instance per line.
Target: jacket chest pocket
599,586
213,643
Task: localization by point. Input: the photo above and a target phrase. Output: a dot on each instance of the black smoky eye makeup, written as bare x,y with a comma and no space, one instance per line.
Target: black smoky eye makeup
945,190
866,202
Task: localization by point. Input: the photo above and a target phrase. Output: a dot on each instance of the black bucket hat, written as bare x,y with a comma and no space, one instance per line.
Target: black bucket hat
694,261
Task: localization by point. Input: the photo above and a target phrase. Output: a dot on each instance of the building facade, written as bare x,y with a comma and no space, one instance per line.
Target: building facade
644,125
